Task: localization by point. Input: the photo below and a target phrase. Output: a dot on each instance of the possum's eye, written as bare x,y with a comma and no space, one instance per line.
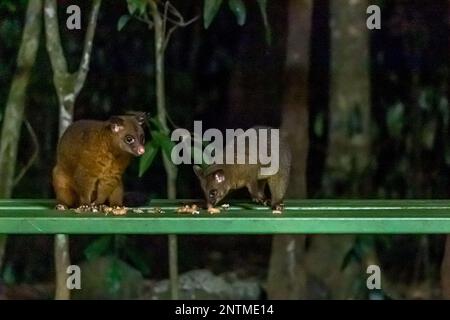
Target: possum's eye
142,139
129,139
213,193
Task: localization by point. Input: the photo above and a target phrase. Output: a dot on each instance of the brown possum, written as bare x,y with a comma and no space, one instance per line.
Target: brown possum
218,180
92,156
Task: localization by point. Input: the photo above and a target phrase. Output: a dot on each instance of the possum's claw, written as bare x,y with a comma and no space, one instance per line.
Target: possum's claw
61,207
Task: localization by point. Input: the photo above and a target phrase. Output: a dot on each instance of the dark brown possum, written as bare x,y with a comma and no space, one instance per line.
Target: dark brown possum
91,158
218,180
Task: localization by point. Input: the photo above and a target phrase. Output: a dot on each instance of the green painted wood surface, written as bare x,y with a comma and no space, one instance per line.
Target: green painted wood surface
19,216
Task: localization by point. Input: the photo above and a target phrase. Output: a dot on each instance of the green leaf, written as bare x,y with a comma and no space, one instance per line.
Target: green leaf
263,8
151,149
98,247
239,10
114,277
395,119
210,9
164,141
319,125
137,6
9,276
12,5
122,22
156,123
429,130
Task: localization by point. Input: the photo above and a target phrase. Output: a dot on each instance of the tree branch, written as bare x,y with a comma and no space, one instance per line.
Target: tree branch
53,39
33,157
84,63
176,26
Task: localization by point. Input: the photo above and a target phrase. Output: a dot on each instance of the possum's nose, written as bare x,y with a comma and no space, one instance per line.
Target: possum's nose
140,150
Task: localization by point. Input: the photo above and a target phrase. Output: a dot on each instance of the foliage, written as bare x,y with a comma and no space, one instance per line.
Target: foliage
211,8
12,6
239,10
263,8
119,246
138,8
160,141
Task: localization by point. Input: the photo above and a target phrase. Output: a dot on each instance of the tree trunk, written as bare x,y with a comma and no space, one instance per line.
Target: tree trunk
315,271
287,277
349,142
349,118
68,86
15,105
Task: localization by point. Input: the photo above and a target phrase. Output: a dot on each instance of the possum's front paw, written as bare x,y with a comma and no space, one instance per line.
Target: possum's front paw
119,210
61,207
212,210
277,209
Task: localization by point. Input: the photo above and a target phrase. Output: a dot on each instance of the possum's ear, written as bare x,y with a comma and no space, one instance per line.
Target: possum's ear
116,124
219,176
198,171
141,117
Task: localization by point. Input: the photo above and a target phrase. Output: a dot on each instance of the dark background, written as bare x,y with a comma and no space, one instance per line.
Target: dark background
228,76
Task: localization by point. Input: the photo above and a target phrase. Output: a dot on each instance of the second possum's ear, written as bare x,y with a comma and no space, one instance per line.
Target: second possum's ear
198,171
141,117
116,124
219,176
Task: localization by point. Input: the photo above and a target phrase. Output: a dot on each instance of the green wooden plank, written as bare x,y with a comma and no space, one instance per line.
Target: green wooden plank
19,216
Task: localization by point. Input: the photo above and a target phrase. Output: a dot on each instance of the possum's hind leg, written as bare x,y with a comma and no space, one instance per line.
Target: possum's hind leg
86,186
62,184
277,185
116,197
262,192
256,190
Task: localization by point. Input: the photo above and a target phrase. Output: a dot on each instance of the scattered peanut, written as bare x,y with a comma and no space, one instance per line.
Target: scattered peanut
192,209
212,210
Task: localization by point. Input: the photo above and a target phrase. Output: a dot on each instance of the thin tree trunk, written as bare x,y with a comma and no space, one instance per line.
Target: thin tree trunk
286,278
68,86
170,168
445,266
15,105
445,270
